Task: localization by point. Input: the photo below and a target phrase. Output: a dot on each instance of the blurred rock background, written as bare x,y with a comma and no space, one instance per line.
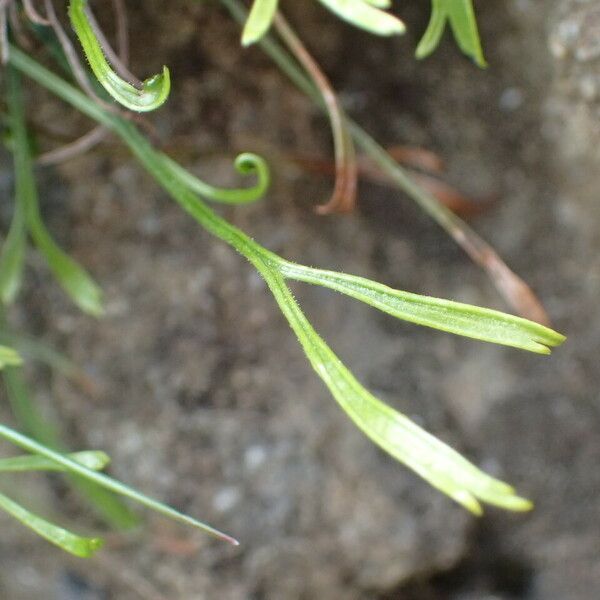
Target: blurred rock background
201,394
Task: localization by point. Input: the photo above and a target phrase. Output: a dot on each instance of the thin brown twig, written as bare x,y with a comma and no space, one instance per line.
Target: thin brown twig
368,170
32,13
79,146
343,198
122,30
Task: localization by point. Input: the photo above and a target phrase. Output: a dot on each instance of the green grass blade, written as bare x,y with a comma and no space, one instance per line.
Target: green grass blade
106,482
72,277
259,20
366,16
155,90
74,544
9,357
92,459
12,257
454,317
245,164
461,17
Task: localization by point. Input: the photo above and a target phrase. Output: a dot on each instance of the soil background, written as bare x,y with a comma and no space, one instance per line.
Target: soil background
201,394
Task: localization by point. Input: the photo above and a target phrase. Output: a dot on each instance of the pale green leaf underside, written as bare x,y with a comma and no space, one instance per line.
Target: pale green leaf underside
74,544
461,18
155,90
259,20
366,15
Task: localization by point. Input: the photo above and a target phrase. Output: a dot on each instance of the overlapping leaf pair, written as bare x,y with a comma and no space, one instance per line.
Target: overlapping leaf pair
371,16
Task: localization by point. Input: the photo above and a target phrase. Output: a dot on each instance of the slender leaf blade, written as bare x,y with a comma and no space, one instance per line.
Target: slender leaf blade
73,278
108,483
446,315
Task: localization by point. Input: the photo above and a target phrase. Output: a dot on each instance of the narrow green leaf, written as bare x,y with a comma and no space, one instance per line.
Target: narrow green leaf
72,277
74,544
461,17
92,459
246,164
9,357
259,20
155,90
12,257
454,317
366,16
106,482
44,430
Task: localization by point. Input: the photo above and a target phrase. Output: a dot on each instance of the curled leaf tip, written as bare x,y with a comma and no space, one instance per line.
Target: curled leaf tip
246,163
154,91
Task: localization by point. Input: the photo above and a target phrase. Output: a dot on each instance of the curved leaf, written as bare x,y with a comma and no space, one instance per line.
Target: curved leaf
155,90
446,315
246,163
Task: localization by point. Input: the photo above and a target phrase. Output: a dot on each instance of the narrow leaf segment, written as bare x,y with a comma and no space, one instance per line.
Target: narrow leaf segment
73,278
461,17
